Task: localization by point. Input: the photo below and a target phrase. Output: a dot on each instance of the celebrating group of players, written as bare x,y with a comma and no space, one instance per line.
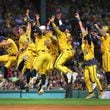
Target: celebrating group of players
41,49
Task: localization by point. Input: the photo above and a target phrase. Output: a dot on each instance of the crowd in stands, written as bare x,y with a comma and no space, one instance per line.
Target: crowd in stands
12,15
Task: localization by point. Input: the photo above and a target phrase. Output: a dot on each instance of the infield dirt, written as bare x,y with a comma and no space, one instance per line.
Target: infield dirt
52,107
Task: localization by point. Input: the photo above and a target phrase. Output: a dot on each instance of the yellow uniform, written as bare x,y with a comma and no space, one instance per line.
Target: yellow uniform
24,39
53,49
11,50
66,51
105,48
43,55
90,74
29,55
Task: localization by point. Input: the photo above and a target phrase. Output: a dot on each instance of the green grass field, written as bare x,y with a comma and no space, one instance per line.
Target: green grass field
55,101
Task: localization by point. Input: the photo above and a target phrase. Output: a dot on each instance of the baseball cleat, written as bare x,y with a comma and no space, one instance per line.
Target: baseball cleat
90,96
108,87
94,85
32,81
101,95
42,90
74,76
69,76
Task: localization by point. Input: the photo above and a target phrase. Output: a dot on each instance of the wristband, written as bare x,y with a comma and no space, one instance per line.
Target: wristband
79,20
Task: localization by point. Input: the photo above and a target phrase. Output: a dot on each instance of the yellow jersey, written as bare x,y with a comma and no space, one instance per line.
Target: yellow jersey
62,39
53,45
41,44
88,51
69,39
31,47
105,43
12,47
25,38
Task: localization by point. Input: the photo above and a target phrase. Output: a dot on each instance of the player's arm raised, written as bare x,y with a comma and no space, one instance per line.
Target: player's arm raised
37,17
101,31
54,25
83,30
28,31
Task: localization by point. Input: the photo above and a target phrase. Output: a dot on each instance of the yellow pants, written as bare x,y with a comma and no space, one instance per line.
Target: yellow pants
90,76
23,70
29,57
51,63
20,58
8,59
106,61
62,58
41,62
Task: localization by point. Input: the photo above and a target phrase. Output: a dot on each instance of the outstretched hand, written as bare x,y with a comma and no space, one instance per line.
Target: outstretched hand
96,26
52,19
77,15
27,12
37,16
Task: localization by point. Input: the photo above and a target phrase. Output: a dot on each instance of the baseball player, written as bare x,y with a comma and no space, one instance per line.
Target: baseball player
66,53
105,48
24,37
10,57
43,57
90,74
53,47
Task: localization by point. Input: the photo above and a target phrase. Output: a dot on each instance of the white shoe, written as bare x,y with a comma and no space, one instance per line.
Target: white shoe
74,76
101,94
42,90
94,85
69,76
33,80
90,96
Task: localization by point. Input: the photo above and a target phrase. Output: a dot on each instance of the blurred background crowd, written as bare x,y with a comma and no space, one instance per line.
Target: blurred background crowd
12,15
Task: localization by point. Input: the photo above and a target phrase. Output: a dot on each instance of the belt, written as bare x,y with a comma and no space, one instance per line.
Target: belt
13,55
32,50
41,51
90,62
68,49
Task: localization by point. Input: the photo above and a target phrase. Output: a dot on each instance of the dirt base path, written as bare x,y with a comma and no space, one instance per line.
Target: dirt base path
52,107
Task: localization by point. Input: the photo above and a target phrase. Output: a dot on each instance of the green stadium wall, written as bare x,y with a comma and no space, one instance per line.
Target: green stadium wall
49,94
